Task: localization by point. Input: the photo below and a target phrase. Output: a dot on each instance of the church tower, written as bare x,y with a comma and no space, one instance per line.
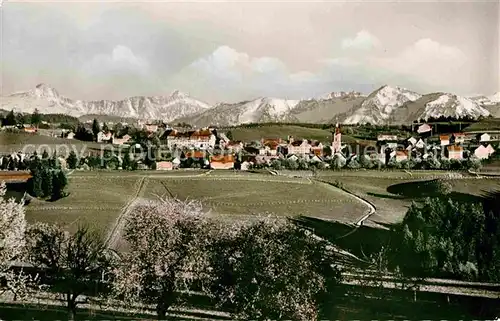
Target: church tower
337,140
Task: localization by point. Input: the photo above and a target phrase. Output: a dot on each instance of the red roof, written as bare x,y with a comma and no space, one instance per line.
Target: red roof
222,159
195,154
455,148
444,137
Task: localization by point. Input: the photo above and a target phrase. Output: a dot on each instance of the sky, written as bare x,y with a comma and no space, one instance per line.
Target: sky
234,51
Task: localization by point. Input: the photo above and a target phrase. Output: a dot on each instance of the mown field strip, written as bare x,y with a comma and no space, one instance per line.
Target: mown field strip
115,232
283,202
71,208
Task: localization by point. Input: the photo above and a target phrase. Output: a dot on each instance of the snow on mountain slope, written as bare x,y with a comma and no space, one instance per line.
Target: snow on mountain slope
47,100
495,98
258,110
449,105
379,106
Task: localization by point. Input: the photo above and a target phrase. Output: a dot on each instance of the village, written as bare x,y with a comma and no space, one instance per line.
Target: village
211,148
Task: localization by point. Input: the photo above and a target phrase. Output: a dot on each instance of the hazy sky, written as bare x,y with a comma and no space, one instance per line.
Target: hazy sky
230,51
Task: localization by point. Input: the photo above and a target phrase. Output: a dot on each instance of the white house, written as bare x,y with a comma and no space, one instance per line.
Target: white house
445,140
401,156
412,140
420,144
482,152
104,137
299,147
485,137
200,139
455,152
459,138
424,128
70,135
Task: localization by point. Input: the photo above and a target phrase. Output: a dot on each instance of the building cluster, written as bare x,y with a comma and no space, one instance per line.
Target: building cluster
456,146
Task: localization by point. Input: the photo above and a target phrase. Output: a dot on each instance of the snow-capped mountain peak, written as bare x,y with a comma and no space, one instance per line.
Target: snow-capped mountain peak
450,105
47,100
379,106
45,91
495,98
177,94
340,94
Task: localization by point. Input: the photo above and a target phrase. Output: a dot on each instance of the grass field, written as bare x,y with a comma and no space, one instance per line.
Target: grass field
485,124
283,131
380,189
28,143
260,195
92,200
99,198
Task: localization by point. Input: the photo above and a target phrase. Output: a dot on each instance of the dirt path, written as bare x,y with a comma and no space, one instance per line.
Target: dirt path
116,231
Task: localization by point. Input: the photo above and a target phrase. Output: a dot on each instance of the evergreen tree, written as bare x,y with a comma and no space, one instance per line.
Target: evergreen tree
59,182
126,162
10,120
105,128
47,183
72,160
95,128
45,154
229,135
36,119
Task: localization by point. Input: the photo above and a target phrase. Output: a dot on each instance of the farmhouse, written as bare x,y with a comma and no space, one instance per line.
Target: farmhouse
390,141
234,146
164,166
299,147
424,128
222,162
401,156
202,138
269,149
30,129
104,137
122,140
484,137
484,152
458,138
445,140
455,152
420,144
70,135
317,148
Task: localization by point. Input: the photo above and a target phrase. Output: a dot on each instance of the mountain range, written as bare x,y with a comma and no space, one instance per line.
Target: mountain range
48,101
386,105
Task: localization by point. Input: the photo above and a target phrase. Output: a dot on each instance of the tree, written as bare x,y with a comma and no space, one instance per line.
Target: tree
10,119
45,154
95,128
74,263
36,119
12,242
338,161
72,160
59,182
166,240
229,135
127,162
105,128
272,270
353,164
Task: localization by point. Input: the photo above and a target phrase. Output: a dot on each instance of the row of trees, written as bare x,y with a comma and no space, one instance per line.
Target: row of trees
12,119
339,162
262,270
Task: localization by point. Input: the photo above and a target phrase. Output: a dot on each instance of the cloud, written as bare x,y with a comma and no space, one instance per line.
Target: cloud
121,59
431,62
362,41
227,74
